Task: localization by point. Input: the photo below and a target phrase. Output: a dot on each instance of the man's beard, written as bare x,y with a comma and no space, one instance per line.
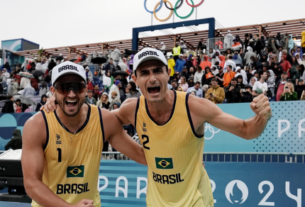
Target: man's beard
61,104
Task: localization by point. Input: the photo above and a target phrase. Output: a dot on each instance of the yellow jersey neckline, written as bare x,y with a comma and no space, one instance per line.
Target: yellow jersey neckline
81,128
172,113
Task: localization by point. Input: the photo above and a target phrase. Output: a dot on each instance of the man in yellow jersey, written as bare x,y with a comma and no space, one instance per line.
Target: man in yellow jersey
62,150
170,126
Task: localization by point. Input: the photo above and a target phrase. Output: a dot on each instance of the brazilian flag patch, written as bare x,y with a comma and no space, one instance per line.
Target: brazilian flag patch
164,163
75,171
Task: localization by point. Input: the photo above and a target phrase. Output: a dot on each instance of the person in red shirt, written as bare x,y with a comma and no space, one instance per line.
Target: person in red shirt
285,64
281,86
89,85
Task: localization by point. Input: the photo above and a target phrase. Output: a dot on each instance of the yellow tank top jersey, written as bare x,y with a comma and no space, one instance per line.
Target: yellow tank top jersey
72,161
174,154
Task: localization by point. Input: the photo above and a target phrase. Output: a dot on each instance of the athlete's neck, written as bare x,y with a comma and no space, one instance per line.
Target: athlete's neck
161,111
75,122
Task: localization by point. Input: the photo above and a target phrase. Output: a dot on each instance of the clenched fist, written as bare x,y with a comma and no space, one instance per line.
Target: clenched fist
260,106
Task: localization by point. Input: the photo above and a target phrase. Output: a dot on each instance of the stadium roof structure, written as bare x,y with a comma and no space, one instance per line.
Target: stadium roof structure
191,39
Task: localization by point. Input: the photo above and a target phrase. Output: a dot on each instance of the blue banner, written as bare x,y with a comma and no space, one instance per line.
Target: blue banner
285,131
123,184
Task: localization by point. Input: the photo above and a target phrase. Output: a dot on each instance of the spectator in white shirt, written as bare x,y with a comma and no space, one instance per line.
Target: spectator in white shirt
261,85
198,75
240,71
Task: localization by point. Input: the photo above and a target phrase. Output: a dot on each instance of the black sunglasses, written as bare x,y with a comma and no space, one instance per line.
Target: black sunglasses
65,88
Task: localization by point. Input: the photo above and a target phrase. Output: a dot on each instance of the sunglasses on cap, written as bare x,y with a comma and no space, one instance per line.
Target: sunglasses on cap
65,88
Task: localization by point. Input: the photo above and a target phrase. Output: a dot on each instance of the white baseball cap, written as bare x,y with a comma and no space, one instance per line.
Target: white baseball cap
162,43
237,68
148,53
66,68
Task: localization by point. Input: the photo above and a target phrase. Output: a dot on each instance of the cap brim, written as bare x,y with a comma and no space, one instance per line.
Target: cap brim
68,73
146,59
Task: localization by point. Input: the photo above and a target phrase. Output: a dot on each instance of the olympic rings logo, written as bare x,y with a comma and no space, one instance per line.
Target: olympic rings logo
177,6
211,129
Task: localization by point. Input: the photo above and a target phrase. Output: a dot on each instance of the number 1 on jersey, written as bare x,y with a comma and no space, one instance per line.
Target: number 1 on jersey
146,141
59,154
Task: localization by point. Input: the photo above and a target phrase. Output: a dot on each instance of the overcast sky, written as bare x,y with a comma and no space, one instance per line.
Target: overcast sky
58,23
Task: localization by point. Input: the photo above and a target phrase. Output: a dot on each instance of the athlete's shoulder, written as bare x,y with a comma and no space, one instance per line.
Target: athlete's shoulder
126,113
35,128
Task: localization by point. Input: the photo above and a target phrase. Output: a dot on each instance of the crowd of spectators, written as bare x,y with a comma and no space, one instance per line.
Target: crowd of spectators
237,71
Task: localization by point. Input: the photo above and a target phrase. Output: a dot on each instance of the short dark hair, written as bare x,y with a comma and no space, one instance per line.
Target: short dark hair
197,83
214,79
230,66
234,79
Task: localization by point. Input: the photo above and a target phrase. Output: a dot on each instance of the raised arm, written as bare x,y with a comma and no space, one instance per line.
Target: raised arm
247,129
120,140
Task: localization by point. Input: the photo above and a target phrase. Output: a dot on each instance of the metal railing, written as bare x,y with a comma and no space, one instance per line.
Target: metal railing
229,157
232,157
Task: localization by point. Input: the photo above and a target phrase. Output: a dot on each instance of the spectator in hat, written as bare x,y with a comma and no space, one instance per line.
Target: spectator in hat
115,55
90,99
180,63
104,101
216,94
246,94
236,45
171,64
114,99
89,74
115,88
196,88
300,88
232,92
289,94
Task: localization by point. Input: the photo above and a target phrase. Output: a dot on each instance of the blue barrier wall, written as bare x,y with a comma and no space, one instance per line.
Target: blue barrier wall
123,184
285,131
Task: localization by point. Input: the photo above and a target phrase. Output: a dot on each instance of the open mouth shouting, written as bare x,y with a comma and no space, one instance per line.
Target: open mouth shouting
154,90
71,104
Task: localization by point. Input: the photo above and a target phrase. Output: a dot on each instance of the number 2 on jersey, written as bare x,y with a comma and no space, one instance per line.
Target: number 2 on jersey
59,154
146,138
